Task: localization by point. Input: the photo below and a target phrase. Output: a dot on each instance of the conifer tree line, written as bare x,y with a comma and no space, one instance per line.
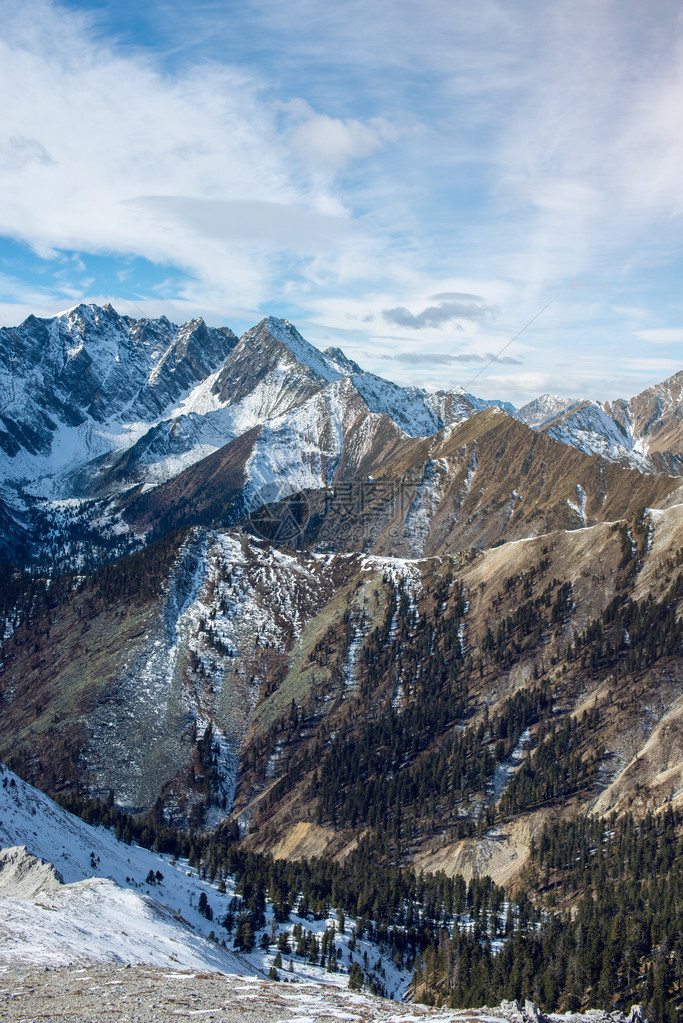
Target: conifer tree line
29,595
619,941
412,757
393,905
473,943
630,635
407,760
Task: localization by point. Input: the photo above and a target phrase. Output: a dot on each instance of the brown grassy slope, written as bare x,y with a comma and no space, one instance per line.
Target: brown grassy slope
637,743
202,494
488,480
53,678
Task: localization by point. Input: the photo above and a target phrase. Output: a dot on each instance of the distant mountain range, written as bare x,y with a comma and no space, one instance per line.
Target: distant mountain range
193,425
95,400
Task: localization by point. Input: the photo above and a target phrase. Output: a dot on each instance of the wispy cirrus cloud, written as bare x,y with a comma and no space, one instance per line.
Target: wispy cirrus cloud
429,358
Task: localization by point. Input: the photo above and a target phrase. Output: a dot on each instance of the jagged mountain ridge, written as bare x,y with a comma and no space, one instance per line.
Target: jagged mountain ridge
89,384
277,381
273,415
78,383
148,398
366,486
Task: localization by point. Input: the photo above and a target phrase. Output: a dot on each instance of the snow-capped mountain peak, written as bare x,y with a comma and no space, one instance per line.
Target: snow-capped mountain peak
341,362
479,404
303,351
545,409
88,381
97,400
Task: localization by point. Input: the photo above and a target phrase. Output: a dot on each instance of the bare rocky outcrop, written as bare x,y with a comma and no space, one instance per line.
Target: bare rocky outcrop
151,995
24,876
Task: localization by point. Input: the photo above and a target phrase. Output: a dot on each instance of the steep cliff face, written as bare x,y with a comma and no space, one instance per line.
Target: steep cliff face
149,696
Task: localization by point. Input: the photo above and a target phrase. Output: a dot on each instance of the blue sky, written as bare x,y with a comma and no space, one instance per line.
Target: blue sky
411,182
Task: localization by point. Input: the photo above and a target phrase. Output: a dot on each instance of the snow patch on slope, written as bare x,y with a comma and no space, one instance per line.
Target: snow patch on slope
302,449
230,603
591,429
580,506
425,504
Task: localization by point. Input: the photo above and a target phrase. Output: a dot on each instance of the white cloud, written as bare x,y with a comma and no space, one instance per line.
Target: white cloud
274,225
18,152
333,141
362,159
437,315
100,152
662,335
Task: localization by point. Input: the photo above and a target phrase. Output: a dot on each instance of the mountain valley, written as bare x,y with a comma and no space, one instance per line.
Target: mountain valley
257,596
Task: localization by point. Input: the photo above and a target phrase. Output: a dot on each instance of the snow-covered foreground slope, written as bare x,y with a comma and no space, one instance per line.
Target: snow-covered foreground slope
108,912
106,916
105,911
98,920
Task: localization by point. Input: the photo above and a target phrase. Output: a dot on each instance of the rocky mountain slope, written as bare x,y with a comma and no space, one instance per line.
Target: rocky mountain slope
477,485
98,402
239,660
167,996
369,487
82,383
